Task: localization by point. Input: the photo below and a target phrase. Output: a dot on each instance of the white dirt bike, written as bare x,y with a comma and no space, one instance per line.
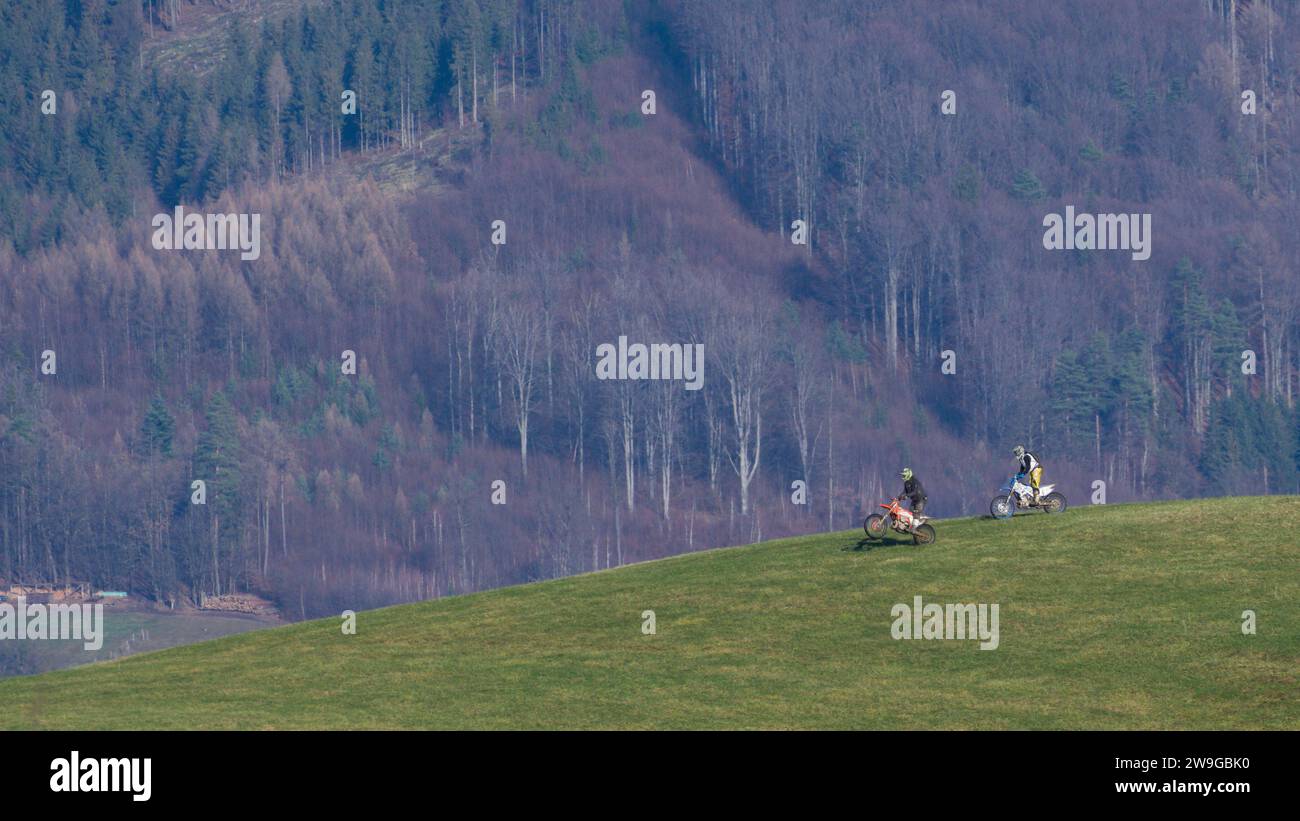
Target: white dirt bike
1018,495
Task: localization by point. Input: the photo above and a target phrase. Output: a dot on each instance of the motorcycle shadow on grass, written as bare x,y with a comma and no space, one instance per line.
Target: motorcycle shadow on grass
1019,514
865,545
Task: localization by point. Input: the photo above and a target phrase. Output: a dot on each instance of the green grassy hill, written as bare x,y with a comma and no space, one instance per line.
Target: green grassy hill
1123,616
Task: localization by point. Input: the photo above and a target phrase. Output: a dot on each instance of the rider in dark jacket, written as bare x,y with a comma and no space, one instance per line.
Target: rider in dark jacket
913,491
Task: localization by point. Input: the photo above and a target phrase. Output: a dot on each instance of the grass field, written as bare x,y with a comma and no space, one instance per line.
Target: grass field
1124,616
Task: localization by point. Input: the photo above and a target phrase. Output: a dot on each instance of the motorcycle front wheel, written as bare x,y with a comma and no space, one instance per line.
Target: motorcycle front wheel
875,526
1002,507
924,534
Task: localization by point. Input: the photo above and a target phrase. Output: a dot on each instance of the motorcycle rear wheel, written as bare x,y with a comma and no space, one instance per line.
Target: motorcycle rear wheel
924,534
1054,503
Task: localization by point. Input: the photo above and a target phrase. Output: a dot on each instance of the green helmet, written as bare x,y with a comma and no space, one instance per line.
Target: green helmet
1019,451
906,474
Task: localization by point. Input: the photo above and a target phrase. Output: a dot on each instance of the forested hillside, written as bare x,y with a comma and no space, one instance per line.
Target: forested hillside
823,361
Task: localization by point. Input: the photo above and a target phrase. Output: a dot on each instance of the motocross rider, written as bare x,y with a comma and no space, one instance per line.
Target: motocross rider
1029,466
914,492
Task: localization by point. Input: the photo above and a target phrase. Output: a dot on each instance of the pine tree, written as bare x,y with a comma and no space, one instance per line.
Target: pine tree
1099,364
157,428
1027,186
1191,338
1218,461
1274,442
1130,412
1229,341
1071,398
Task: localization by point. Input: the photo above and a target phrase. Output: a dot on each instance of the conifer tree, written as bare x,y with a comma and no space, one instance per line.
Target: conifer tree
157,428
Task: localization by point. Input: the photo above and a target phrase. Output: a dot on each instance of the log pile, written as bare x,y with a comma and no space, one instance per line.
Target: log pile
239,603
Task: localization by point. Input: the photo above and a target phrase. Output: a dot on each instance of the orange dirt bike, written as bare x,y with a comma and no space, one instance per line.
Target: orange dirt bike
901,519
